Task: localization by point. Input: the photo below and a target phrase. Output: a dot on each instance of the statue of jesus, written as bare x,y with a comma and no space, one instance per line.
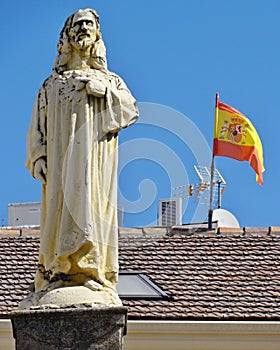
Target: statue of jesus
72,150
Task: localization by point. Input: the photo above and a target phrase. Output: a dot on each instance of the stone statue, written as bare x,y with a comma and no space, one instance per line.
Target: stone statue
72,150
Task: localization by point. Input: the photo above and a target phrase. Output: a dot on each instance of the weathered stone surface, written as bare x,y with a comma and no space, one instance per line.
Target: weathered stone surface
61,329
72,149
71,296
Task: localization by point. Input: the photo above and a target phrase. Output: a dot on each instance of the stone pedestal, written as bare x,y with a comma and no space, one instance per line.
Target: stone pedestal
99,328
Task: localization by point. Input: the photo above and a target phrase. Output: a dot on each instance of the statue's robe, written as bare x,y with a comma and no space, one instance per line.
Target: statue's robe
76,133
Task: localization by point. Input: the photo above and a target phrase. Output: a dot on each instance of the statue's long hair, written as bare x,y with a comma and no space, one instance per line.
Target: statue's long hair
98,50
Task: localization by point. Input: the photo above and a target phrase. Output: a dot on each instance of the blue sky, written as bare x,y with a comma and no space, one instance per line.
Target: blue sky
174,56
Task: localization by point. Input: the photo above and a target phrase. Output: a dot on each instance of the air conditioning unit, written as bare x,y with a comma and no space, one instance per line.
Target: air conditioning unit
170,212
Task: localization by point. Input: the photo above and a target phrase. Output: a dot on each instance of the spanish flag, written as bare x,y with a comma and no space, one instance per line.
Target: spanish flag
235,137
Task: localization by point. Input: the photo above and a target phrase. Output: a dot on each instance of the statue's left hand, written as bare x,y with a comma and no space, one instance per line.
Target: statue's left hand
93,87
96,88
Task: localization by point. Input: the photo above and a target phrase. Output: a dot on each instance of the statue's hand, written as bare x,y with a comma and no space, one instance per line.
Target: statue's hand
80,83
93,87
40,170
96,88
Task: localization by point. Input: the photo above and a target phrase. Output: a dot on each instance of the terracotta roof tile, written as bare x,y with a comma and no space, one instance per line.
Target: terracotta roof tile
224,276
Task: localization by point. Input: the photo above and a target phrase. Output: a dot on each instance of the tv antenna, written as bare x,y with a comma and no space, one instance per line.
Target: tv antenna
219,183
204,174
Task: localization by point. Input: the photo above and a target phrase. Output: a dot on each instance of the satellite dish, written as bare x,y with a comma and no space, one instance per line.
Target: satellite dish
225,218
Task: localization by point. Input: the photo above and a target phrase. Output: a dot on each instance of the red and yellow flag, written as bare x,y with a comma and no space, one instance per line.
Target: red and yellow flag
235,137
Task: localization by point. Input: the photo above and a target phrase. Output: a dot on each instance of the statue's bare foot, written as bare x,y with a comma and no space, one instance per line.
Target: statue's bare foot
93,285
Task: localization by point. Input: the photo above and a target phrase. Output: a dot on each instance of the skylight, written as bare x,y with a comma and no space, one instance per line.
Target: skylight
136,285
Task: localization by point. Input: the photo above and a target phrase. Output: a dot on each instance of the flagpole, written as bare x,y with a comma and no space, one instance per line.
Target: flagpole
210,211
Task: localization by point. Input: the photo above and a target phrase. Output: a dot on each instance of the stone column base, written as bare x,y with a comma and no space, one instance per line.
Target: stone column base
70,328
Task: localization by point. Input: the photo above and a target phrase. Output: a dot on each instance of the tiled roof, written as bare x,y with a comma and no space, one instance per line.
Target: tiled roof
18,259
225,276
210,277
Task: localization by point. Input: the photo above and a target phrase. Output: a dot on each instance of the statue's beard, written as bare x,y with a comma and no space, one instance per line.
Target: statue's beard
82,43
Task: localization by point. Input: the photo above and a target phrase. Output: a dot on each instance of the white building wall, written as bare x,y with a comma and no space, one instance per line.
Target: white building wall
186,335
24,214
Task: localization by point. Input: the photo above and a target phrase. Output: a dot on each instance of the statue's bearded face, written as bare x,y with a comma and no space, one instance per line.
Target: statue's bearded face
82,33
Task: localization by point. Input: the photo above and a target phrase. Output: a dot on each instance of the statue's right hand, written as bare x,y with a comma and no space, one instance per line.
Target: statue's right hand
40,170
